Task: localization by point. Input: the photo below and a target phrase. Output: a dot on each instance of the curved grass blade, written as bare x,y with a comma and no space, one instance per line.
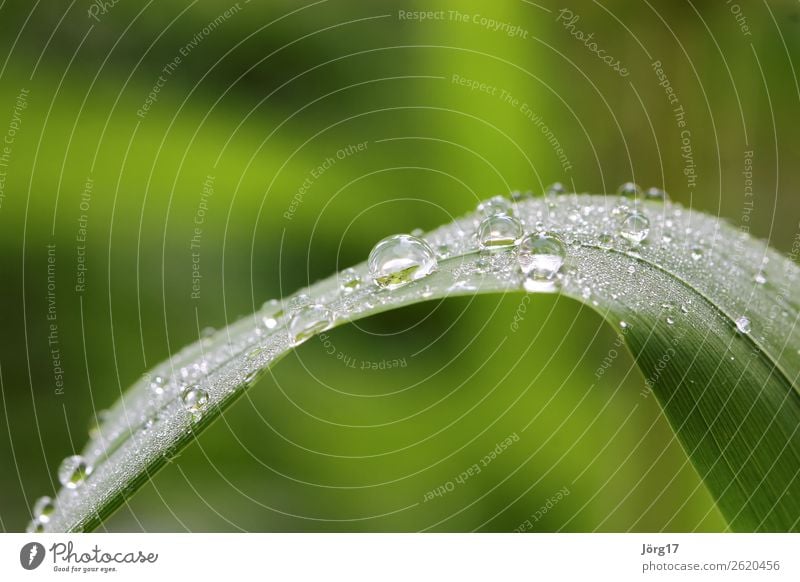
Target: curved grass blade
708,313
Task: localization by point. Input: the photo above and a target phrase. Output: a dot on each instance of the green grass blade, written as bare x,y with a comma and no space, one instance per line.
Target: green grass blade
730,391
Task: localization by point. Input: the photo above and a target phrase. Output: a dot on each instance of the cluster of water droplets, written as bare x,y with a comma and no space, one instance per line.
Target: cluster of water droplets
519,242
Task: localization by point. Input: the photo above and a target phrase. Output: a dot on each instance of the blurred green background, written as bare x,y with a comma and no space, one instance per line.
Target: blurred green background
265,93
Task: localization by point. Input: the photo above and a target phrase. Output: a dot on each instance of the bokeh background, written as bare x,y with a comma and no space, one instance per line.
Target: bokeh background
264,93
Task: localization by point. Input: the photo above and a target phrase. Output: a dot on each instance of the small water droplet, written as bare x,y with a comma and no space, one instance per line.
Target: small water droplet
443,251
308,321
157,384
495,205
554,190
629,190
760,278
634,228
656,194
696,253
499,231
417,232
73,471
685,307
35,526
624,324
349,281
743,324
43,508
541,256
195,399
271,313
670,320
400,259
631,269
605,240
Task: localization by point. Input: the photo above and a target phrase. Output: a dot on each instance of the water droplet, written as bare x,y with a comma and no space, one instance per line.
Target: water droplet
309,321
760,278
670,320
631,269
271,313
685,307
541,256
656,194
499,231
629,190
696,253
743,324
634,228
157,384
555,189
624,324
73,471
43,508
605,240
495,205
443,251
35,526
195,399
349,281
400,259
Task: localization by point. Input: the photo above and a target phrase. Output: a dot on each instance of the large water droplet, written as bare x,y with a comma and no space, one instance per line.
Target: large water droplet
743,324
43,508
195,399
349,281
541,255
308,321
634,228
495,205
400,259
499,231
73,471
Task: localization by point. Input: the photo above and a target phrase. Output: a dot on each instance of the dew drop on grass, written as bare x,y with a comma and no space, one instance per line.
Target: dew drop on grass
760,278
656,194
157,384
195,399
743,325
499,231
43,508
629,190
555,189
35,526
271,313
541,255
73,471
634,228
349,281
495,205
400,259
308,321
696,253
